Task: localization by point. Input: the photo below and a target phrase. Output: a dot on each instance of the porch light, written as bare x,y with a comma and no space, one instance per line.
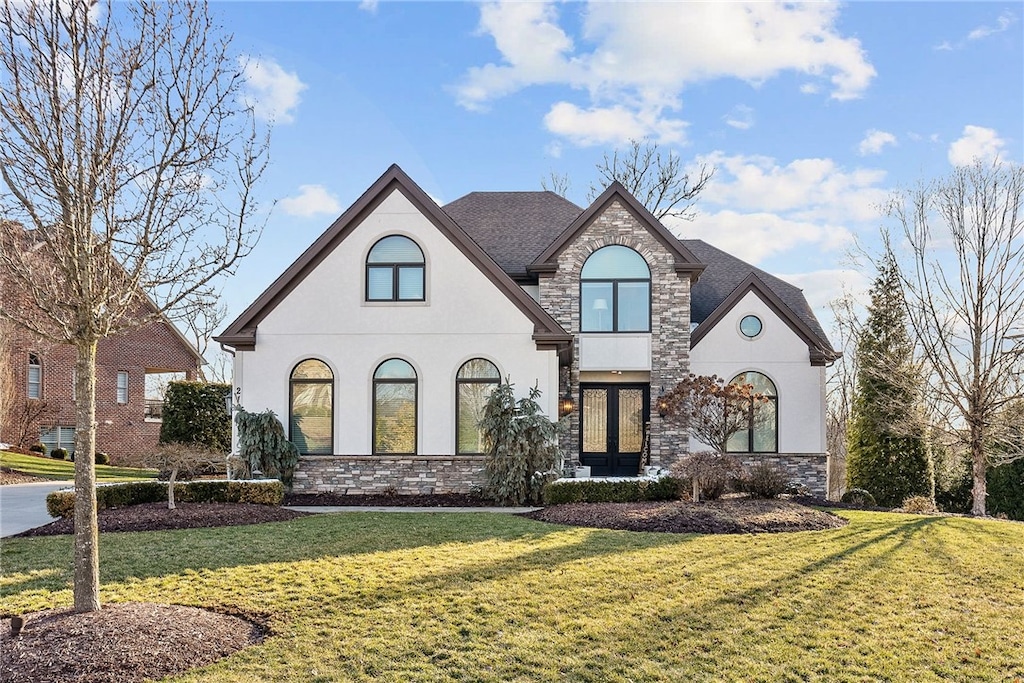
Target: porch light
662,406
566,405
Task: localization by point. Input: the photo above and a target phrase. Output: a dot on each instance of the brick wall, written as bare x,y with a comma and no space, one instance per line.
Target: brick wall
365,474
670,318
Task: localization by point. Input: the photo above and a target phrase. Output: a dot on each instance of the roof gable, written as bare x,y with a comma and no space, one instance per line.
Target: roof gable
819,348
685,261
241,334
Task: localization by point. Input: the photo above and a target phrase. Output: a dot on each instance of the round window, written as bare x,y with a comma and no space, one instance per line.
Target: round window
750,326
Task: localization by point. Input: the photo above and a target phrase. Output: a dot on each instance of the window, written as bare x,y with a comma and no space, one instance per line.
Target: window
750,326
58,437
35,376
394,408
615,292
762,432
122,387
395,270
311,408
473,385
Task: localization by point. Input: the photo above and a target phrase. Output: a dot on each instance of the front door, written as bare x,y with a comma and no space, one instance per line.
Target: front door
612,428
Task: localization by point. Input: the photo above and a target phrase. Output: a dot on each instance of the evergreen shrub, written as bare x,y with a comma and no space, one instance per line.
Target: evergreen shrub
38,448
859,497
262,492
101,458
59,454
599,491
195,413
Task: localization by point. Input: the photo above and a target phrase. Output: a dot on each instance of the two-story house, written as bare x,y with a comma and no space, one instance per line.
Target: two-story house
379,345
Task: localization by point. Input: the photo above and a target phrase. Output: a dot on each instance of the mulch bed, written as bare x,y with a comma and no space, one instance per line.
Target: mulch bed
377,500
9,476
122,643
734,516
156,517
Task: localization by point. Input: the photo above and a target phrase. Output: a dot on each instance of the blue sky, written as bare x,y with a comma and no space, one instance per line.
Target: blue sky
812,114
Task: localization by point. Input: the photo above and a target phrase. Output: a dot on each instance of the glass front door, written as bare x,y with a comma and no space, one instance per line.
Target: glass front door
612,428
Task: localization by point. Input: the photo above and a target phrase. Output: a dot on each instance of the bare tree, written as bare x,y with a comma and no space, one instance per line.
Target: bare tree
202,318
173,459
655,177
127,156
714,411
8,393
558,183
959,247
839,388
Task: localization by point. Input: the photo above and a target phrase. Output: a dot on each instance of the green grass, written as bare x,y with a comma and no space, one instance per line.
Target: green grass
445,597
61,470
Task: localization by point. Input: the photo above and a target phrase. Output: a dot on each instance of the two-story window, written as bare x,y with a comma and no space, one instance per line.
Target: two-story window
395,271
615,292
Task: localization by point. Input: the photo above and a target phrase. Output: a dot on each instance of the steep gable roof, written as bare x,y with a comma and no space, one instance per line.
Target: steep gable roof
514,228
686,261
727,279
241,334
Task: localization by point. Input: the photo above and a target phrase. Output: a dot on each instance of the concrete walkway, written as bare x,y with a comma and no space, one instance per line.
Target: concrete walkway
23,506
385,508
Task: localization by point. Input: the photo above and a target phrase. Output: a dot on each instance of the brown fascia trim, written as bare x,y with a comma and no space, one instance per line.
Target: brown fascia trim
241,334
686,263
820,352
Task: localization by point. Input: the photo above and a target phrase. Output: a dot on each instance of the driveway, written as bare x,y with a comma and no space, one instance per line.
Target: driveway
23,506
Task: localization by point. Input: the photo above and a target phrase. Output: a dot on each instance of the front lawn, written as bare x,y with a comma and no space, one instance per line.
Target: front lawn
483,597
61,470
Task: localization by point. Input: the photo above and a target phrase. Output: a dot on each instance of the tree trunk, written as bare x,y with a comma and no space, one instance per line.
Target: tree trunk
696,489
87,552
980,489
170,487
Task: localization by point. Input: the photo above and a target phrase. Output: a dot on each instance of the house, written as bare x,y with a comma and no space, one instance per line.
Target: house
42,405
379,344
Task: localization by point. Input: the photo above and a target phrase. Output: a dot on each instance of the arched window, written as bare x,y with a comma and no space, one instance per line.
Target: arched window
615,292
311,408
762,432
473,385
394,408
395,270
35,377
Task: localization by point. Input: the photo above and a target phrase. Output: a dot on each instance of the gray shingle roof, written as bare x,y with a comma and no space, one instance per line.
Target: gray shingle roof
514,228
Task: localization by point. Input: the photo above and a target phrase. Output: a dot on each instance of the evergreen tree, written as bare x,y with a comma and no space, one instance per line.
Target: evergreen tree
887,453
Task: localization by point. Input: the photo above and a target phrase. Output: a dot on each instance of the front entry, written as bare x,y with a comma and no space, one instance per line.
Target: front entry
612,428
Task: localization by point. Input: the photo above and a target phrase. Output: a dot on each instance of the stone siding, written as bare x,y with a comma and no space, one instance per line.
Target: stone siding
670,319
803,469
412,474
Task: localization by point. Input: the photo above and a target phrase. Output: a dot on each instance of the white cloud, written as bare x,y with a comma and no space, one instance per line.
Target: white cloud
272,92
741,117
975,143
369,6
824,286
634,60
312,200
1004,21
874,141
611,125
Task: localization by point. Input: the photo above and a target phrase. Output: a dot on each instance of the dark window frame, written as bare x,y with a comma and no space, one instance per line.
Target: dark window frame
614,303
292,381
774,400
470,380
415,381
396,268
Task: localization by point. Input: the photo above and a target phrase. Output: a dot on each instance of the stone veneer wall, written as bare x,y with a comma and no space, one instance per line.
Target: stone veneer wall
411,474
670,318
804,469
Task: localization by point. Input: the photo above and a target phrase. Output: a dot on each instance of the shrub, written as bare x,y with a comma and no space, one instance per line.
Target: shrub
194,413
598,491
1006,490
38,448
102,458
262,445
765,481
858,497
919,504
59,454
263,492
710,473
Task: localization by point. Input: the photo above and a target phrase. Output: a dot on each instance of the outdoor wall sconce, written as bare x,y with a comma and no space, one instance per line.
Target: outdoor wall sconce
662,407
566,405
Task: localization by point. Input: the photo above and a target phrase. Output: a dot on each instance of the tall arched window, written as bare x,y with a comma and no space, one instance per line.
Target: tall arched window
395,270
394,408
762,432
35,377
615,292
473,385
311,408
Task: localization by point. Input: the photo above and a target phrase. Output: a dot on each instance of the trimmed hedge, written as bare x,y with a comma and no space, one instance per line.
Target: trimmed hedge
599,491
261,492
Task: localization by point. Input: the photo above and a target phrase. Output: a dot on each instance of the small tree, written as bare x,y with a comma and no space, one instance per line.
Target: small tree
262,445
175,458
195,413
522,445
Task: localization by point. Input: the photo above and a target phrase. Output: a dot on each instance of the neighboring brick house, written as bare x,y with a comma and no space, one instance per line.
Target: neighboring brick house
379,344
43,379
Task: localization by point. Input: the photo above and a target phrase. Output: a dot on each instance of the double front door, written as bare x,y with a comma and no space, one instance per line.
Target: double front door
612,428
